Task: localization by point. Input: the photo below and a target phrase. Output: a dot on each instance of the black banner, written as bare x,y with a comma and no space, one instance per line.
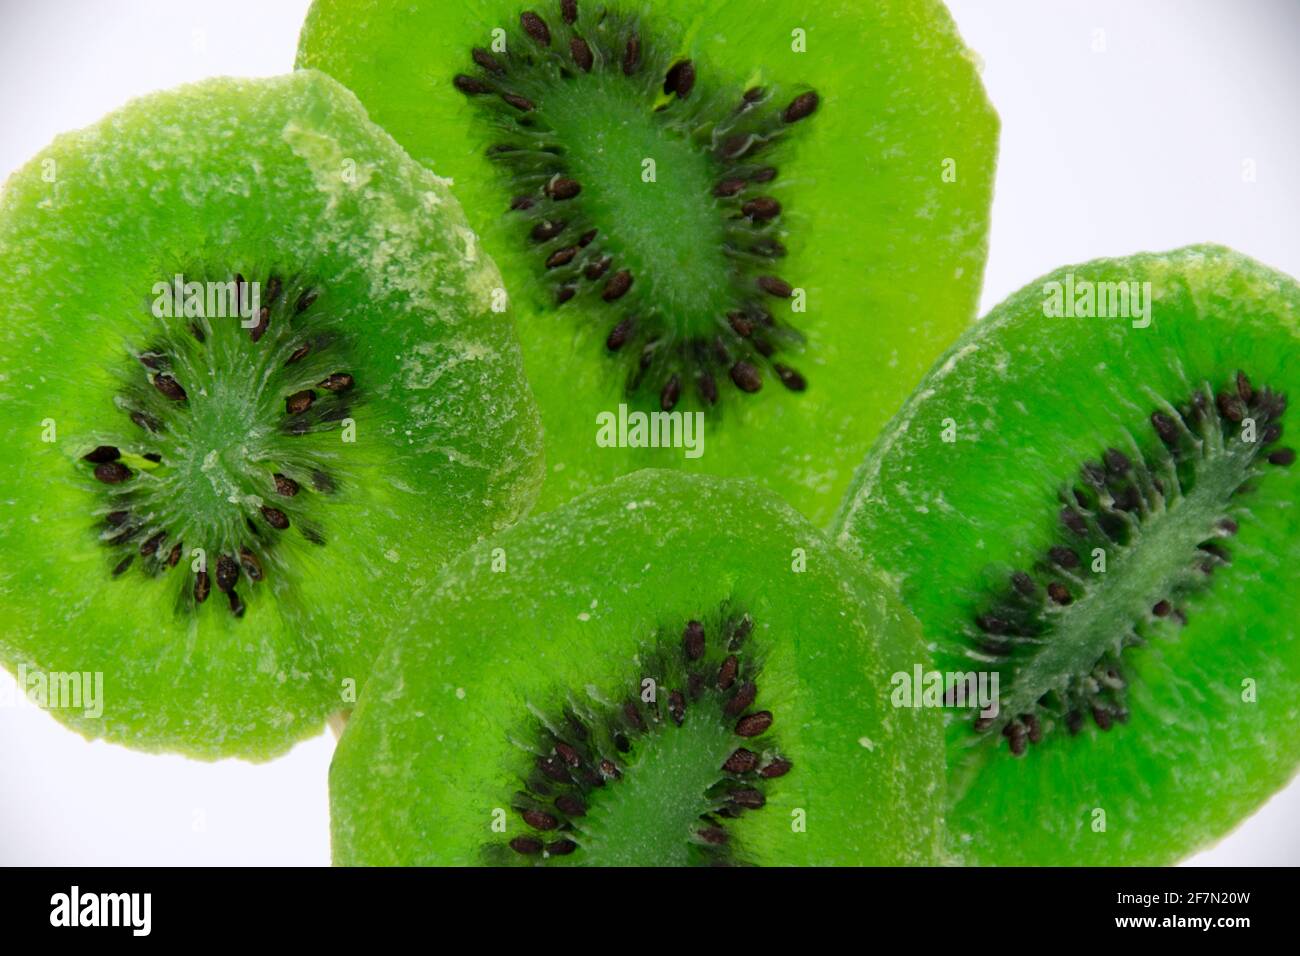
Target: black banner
239,905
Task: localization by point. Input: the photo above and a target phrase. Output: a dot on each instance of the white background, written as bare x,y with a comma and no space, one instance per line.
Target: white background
1140,146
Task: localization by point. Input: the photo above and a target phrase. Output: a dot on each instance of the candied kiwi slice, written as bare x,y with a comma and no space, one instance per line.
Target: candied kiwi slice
642,678
683,213
1123,559
260,418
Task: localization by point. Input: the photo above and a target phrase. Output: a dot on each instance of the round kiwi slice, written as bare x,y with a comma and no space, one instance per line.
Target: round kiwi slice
252,393
764,218
1092,496
670,670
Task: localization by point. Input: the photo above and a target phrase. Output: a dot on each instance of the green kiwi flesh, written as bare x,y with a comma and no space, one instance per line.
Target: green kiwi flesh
1096,502
214,492
768,215
670,670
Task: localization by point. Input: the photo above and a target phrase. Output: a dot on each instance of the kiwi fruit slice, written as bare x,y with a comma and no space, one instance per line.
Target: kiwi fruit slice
1092,497
769,218
252,393
670,670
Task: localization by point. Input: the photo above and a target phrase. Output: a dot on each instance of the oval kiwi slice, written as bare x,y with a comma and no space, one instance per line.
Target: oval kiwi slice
1092,496
251,394
735,234
670,670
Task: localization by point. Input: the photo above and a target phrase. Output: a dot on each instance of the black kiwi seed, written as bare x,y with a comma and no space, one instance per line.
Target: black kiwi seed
553,767
540,820
746,377
693,640
789,377
671,391
583,58
169,387
1165,427
1117,463
227,572
727,672
761,208
741,761
561,257
299,402
1064,557
263,323
680,79
486,60
801,107
775,286
547,229
677,706
145,421
742,701
1074,521
714,835
112,472
102,454
617,286
777,768
535,27
521,103
754,724
1059,593
285,486
152,544
562,188
1231,407
570,805
631,54
337,382
528,846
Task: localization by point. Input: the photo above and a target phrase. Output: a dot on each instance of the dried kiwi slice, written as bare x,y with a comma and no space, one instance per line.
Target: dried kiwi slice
670,670
1093,497
773,216
252,393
